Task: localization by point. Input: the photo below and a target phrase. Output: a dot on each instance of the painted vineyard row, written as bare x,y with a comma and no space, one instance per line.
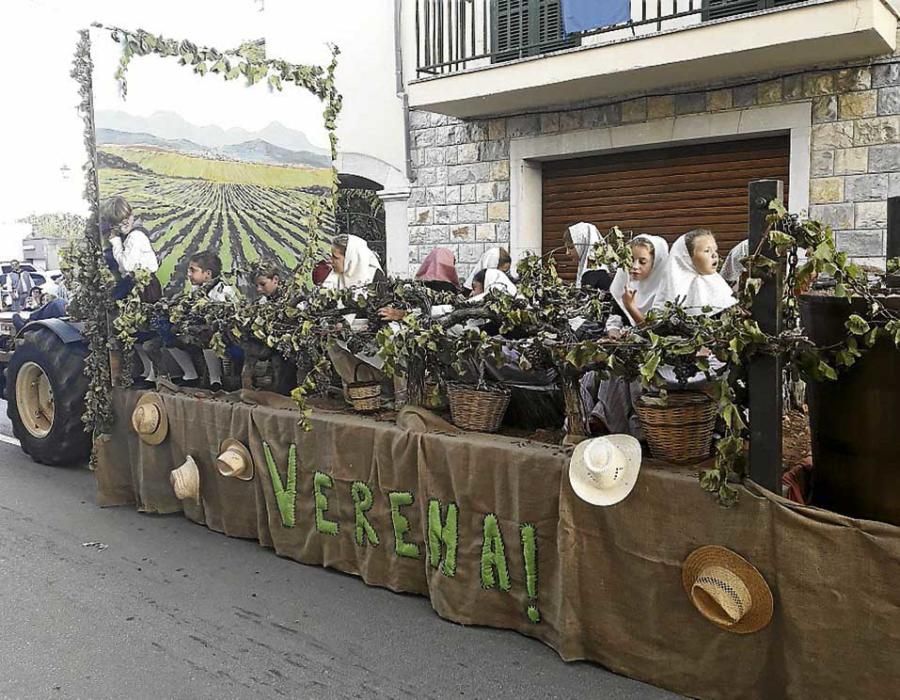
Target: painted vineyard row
241,222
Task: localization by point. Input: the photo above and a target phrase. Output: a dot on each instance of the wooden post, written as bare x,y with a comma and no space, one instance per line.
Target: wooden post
893,227
893,237
765,377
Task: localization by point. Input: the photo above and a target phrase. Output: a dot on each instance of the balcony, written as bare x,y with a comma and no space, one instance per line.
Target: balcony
476,58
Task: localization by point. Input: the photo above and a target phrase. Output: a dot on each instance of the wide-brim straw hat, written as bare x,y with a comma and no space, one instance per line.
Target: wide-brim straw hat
727,589
604,470
186,481
149,419
235,460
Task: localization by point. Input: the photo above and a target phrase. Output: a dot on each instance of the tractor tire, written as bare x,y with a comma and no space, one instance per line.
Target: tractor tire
46,384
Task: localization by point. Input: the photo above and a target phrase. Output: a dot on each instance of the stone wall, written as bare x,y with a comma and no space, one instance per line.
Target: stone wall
460,195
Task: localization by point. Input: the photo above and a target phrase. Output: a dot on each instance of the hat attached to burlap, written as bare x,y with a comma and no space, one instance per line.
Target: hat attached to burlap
149,419
186,481
418,419
234,460
727,589
603,470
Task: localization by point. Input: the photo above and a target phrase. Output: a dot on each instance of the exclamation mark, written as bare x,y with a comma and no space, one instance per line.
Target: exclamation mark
529,555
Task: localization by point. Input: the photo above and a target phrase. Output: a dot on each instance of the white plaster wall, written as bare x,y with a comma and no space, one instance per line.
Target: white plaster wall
371,122
43,129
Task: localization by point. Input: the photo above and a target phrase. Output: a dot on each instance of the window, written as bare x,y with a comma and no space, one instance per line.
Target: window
527,28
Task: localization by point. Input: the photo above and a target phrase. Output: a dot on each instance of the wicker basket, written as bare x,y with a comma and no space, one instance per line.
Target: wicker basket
476,409
681,431
365,397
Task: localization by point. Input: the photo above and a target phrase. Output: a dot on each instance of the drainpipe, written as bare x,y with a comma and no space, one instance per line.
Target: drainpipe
401,88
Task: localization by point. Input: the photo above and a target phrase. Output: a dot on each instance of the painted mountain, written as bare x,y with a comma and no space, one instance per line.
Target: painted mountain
172,126
246,195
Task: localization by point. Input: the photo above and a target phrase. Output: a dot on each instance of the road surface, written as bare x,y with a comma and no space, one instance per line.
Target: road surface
169,609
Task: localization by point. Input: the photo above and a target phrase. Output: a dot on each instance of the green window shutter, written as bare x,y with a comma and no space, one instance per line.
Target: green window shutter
510,28
549,31
718,9
527,28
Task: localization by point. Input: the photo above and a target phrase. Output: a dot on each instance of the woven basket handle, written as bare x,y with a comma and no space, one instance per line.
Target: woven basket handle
356,372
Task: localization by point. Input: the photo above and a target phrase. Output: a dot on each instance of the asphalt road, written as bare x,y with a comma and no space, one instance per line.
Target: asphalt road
170,609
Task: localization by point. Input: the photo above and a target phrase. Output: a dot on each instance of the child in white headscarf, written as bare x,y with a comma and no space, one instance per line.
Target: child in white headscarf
691,276
486,281
352,264
580,240
635,289
495,258
609,403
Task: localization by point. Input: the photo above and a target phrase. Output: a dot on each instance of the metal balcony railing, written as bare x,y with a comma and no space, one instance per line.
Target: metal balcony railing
458,35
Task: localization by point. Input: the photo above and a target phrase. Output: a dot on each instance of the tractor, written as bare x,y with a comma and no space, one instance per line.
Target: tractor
44,382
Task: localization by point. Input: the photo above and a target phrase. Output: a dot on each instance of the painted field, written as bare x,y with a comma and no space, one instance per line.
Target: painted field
168,162
243,211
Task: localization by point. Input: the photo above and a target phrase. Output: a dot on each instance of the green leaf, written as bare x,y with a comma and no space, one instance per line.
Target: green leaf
857,325
826,370
648,369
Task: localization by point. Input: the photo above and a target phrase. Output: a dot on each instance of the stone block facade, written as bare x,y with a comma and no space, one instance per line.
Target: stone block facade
460,196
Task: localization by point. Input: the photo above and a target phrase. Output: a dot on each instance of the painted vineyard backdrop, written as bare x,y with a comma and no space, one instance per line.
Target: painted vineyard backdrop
208,164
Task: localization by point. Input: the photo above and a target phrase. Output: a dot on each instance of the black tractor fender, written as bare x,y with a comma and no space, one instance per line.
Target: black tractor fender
66,331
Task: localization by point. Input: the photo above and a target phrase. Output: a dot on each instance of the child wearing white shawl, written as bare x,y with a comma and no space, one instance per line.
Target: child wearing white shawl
352,264
580,240
635,290
495,258
609,403
691,278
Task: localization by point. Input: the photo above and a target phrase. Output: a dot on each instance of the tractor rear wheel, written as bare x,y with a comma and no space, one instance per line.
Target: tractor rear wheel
46,387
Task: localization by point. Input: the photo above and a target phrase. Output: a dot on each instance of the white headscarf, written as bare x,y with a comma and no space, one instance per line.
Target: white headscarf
733,267
360,266
647,288
489,260
584,237
682,283
495,279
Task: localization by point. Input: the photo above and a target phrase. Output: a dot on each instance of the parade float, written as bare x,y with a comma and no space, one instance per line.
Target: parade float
699,577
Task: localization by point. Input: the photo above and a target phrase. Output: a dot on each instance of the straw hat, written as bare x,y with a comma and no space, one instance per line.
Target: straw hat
235,460
603,470
727,589
186,481
149,419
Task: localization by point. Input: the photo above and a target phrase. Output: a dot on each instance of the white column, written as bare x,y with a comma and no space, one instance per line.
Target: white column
396,234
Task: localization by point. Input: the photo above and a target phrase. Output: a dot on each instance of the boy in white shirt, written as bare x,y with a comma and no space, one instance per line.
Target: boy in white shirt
204,271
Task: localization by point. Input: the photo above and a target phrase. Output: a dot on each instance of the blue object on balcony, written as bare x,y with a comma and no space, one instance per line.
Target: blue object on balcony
585,15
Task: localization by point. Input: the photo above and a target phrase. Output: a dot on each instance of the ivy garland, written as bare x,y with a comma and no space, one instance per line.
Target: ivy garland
551,325
91,280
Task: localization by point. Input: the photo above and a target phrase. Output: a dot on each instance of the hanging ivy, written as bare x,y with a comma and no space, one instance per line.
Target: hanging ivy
110,326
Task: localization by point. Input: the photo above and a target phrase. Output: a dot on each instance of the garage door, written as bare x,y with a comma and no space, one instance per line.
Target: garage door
661,191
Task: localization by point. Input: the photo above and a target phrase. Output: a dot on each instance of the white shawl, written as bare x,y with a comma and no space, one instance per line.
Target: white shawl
495,279
647,288
489,260
682,284
360,266
584,237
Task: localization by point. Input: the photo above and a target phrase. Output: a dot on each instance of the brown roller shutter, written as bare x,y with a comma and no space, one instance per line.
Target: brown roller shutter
661,191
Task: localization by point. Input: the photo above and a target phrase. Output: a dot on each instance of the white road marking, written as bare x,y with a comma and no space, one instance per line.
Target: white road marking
10,440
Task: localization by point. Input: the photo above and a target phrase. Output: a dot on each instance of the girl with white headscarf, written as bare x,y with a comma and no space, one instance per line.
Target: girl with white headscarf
484,284
352,264
609,403
635,289
580,240
495,258
691,278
